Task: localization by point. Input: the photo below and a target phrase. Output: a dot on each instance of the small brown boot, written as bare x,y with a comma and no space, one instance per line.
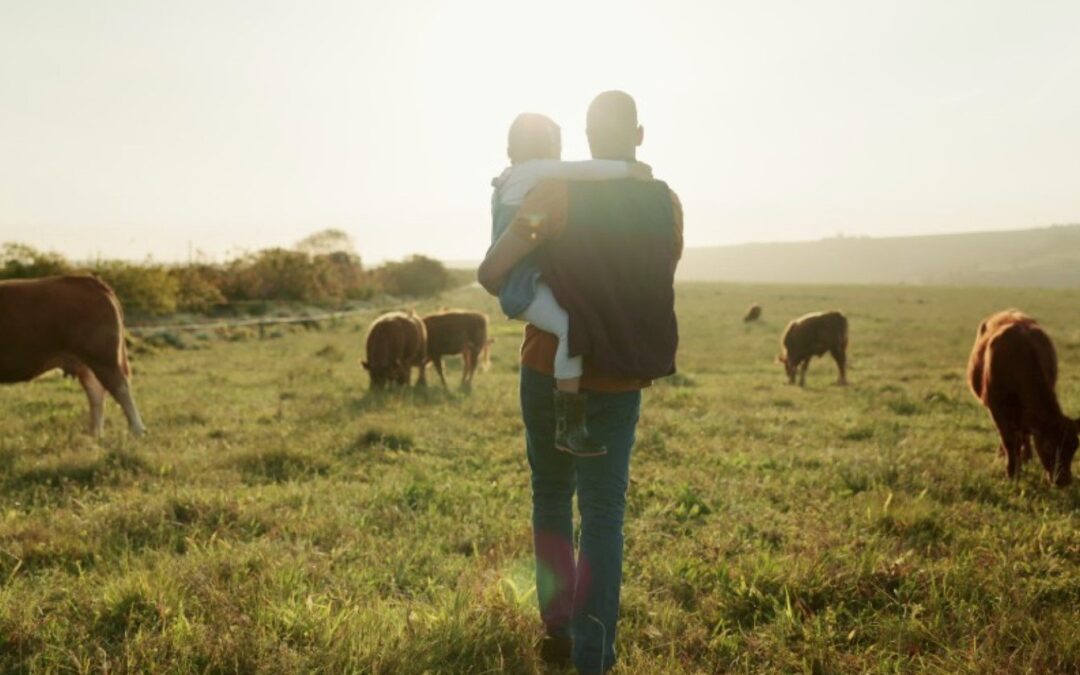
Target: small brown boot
571,434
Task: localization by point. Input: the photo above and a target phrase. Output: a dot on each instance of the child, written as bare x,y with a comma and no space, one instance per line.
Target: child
535,147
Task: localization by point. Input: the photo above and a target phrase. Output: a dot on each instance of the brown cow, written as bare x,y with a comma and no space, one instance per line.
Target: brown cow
813,335
753,313
396,342
74,323
457,331
1013,372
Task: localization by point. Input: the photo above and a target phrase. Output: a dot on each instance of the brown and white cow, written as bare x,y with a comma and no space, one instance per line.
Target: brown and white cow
1013,372
453,332
813,335
753,313
74,323
396,343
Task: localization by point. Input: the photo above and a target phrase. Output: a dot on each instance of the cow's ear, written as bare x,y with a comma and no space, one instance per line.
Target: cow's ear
780,359
365,365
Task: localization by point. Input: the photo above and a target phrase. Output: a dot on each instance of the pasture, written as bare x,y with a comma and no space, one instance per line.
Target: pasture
279,519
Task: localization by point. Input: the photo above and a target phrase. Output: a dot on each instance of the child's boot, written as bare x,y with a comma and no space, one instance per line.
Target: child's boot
570,433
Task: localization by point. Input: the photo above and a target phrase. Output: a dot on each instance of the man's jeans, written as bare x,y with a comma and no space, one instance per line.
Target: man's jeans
579,600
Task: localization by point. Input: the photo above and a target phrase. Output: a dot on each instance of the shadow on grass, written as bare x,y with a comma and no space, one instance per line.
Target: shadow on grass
374,400
111,466
279,466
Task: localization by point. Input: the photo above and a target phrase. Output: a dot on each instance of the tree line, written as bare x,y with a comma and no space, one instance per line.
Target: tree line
322,269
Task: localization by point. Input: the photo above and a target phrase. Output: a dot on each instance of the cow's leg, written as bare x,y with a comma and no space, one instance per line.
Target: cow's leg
802,372
1011,441
841,364
95,394
1025,448
116,383
421,380
437,361
467,364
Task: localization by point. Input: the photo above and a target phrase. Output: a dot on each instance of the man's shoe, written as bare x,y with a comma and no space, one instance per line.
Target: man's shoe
555,650
571,435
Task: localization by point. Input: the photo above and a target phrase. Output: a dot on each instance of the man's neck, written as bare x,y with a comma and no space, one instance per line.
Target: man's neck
622,155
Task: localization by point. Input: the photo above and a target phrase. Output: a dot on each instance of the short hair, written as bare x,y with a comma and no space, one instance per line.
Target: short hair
612,113
533,136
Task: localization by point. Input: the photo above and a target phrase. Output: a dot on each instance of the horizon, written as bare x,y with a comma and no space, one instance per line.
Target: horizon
163,132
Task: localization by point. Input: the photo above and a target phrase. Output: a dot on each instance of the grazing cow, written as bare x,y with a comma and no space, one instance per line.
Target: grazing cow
813,335
1013,372
753,313
453,332
396,342
74,323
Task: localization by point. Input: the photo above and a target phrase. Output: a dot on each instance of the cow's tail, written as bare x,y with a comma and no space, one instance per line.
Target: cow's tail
114,300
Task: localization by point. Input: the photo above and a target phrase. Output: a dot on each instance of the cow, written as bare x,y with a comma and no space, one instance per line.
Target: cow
1012,370
753,313
452,332
74,323
812,335
396,342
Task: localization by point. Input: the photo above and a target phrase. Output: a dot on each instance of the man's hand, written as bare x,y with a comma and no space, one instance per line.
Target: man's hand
639,171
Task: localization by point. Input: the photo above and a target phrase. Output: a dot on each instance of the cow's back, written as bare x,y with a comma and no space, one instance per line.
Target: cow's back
815,333
450,332
1024,339
1013,359
54,321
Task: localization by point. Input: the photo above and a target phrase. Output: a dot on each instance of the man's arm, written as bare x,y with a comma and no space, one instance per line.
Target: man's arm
543,215
524,177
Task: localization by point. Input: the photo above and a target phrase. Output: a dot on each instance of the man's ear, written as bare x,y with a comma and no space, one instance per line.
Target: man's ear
640,135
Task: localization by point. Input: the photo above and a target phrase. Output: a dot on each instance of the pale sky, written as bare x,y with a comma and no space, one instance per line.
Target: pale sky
129,128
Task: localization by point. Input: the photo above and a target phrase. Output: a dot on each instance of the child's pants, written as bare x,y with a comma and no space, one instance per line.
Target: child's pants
546,314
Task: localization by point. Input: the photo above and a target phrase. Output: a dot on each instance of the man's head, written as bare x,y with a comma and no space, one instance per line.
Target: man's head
612,126
533,136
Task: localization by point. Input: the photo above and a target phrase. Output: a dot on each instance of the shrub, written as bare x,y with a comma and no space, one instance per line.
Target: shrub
414,277
198,288
280,274
149,289
18,261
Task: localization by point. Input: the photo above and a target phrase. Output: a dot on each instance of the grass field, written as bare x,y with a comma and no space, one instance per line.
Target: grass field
280,519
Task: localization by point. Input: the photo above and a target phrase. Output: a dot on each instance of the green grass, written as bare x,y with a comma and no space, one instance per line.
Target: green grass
278,518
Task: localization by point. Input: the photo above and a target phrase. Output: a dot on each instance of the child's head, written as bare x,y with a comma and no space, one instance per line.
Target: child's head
533,136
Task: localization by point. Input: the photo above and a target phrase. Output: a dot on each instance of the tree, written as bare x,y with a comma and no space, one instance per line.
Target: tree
326,242
415,277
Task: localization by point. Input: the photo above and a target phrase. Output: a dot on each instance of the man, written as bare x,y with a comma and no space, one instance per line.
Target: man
609,254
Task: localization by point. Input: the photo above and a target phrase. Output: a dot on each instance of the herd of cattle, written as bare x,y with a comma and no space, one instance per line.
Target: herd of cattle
75,323
397,342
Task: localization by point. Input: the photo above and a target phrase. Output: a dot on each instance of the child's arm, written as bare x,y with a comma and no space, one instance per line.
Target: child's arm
525,176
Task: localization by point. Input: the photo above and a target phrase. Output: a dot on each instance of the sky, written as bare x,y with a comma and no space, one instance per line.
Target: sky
149,129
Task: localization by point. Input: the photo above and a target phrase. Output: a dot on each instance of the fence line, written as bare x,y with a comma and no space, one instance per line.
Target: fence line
142,331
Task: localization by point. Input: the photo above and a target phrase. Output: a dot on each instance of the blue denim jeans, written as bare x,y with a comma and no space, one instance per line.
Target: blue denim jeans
579,598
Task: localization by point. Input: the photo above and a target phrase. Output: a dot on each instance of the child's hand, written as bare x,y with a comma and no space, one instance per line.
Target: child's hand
639,171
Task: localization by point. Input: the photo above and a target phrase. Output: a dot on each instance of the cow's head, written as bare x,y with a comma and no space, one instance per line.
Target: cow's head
1056,450
382,374
789,366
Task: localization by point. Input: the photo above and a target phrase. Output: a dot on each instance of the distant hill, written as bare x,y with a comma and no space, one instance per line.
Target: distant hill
1047,257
